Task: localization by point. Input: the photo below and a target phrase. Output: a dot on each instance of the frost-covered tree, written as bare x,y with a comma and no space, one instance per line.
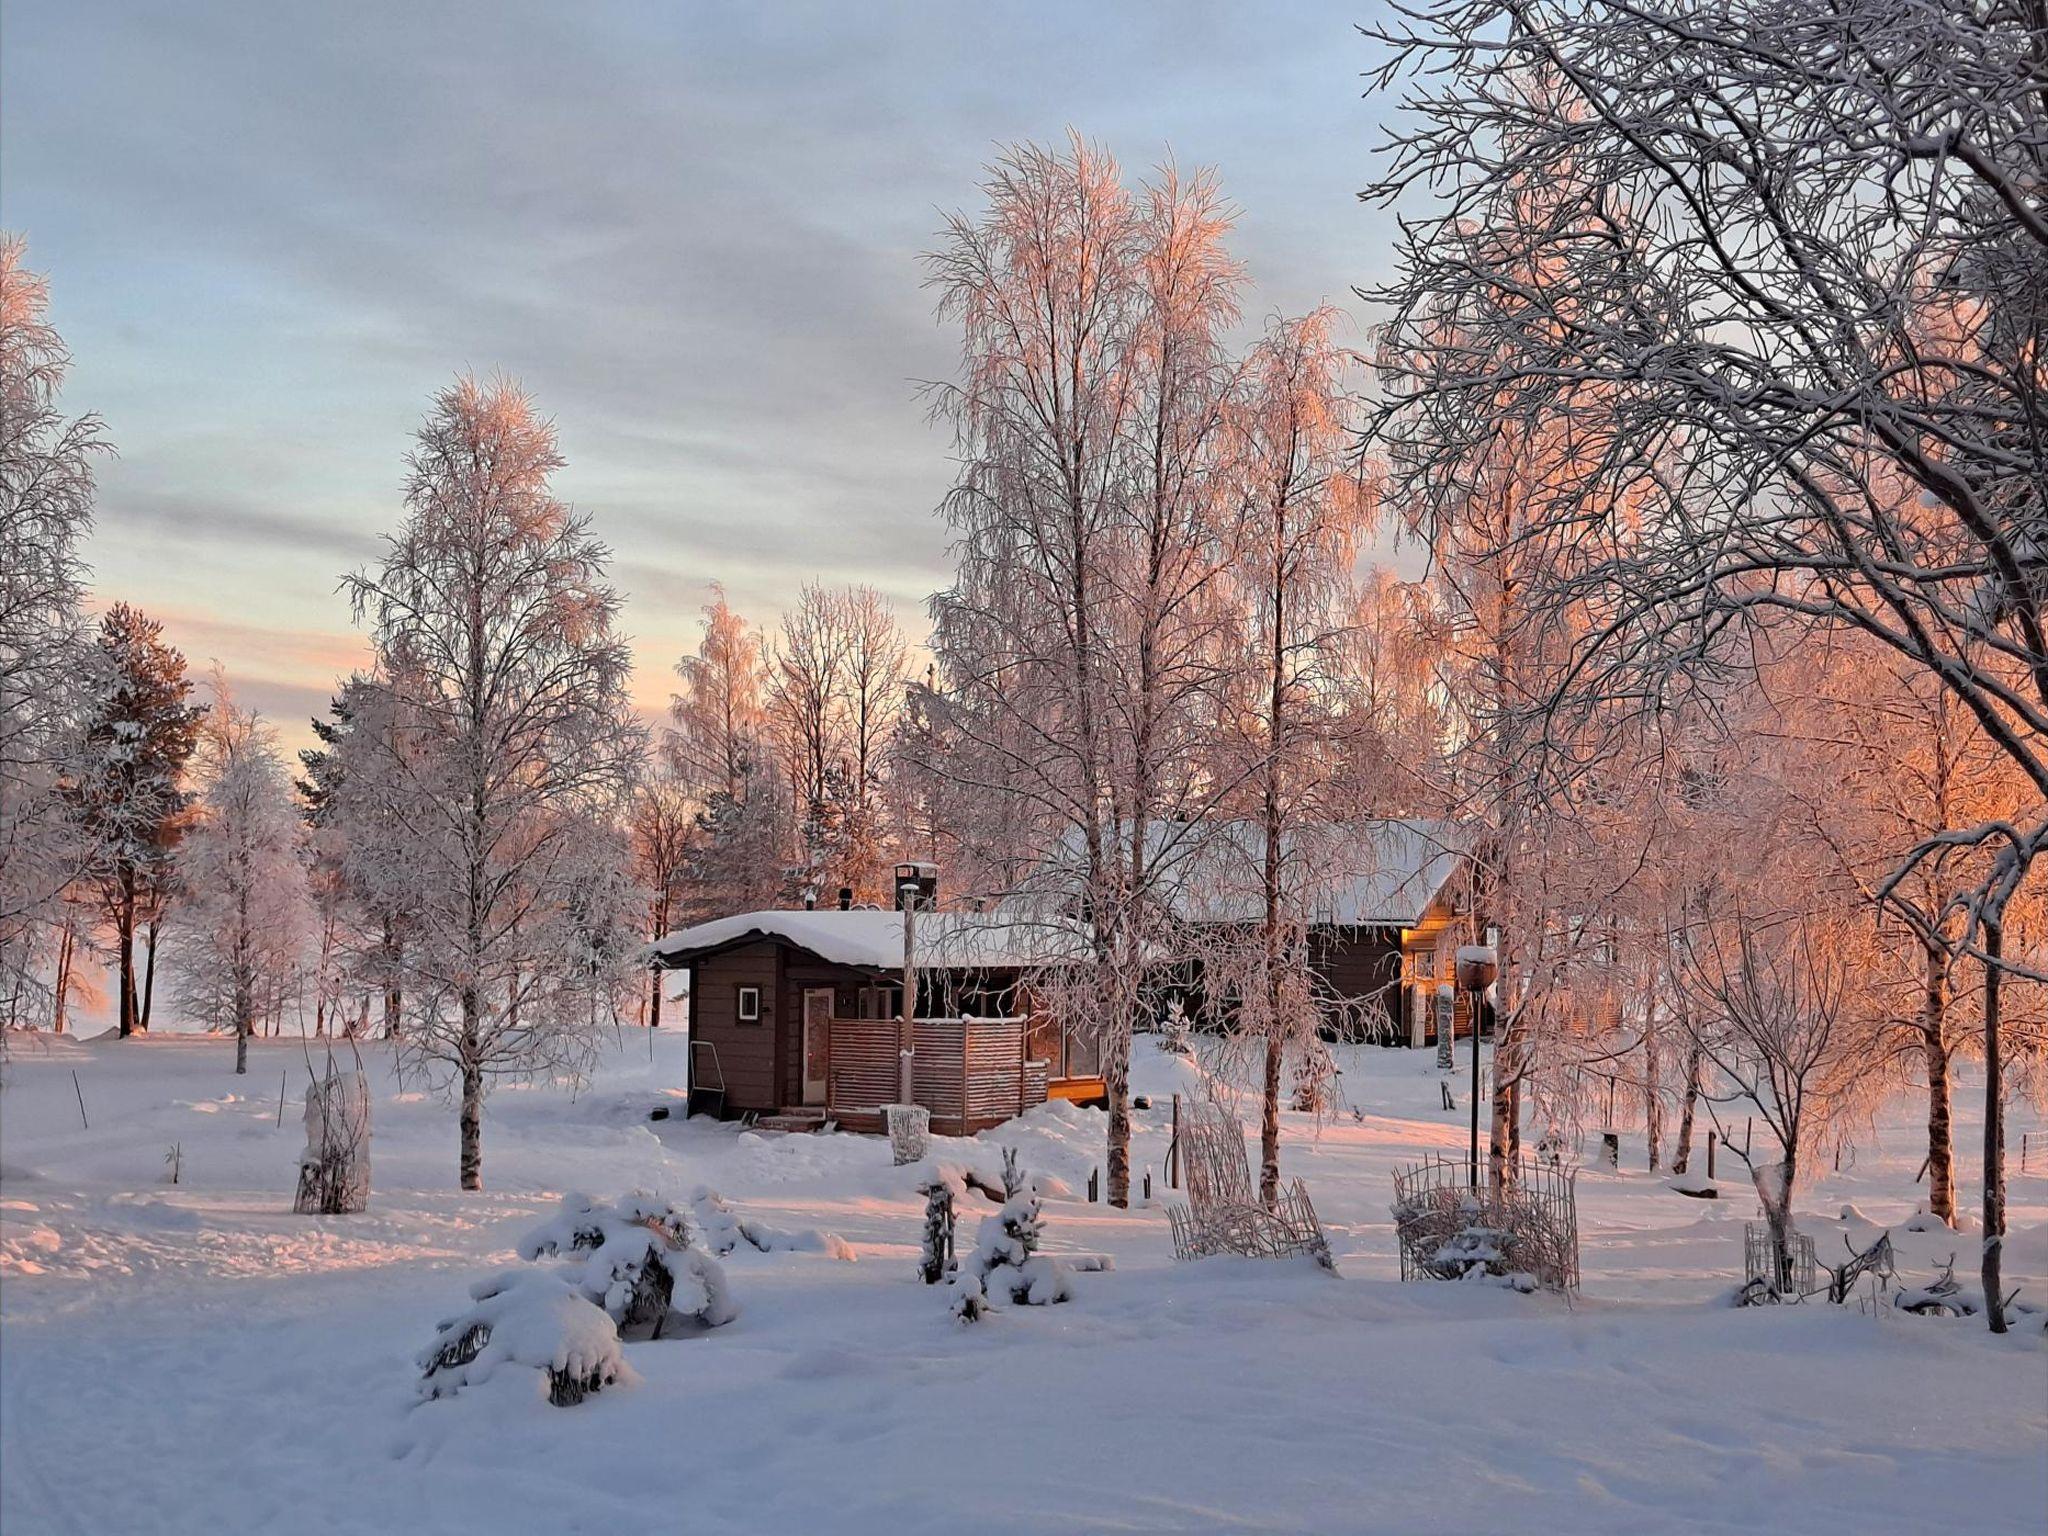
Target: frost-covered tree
46,499
1299,518
1782,268
1786,1024
512,734
128,793
663,823
719,745
1079,647
243,940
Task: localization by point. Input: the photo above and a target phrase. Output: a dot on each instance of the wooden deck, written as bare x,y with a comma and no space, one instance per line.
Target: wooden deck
1092,1091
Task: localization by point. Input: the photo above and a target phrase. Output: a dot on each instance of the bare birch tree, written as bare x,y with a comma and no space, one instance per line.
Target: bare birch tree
493,622
46,500
1084,626
1801,267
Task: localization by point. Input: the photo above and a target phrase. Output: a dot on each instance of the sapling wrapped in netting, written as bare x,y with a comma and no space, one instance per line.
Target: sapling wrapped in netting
935,1259
1006,1266
529,1318
1176,1035
723,1230
635,1259
334,1170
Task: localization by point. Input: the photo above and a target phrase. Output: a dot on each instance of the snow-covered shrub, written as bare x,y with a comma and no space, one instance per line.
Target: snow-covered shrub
1006,1266
935,1256
1315,1075
723,1230
334,1170
530,1318
1175,1037
634,1259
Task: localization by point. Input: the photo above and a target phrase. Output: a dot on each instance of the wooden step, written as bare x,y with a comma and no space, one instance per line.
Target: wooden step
800,1119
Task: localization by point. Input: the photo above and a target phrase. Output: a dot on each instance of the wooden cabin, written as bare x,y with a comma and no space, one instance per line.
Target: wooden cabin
794,1017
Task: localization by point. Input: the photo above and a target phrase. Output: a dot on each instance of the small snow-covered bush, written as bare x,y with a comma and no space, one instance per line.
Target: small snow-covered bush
724,1230
634,1258
1175,1037
1006,1266
529,1318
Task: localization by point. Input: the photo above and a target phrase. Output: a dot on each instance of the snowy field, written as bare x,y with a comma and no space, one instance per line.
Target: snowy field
194,1358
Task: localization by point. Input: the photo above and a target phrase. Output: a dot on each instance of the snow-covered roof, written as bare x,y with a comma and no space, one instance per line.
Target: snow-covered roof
1381,873
998,940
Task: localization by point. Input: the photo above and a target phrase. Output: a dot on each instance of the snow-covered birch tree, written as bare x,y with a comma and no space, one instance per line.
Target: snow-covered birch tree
1803,265
242,943
494,626
1084,628
46,500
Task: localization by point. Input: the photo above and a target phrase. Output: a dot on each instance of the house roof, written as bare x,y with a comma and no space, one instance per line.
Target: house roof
1381,873
998,940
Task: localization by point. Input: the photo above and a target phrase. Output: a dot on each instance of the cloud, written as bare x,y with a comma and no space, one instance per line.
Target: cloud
691,230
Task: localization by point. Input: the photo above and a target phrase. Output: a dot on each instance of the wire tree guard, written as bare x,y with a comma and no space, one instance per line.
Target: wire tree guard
1221,1214
1766,1276
1446,1228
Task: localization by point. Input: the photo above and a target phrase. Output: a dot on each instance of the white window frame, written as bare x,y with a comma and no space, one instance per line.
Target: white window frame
747,1006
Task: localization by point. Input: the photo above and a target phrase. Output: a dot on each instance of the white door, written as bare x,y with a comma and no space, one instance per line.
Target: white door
817,1042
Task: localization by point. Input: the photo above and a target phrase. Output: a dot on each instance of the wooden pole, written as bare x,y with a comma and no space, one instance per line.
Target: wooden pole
906,1034
81,1099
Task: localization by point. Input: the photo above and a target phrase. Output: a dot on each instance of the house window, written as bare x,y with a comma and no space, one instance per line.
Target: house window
750,1005
1425,964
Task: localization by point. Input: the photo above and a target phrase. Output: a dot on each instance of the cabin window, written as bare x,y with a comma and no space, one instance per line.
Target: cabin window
750,1005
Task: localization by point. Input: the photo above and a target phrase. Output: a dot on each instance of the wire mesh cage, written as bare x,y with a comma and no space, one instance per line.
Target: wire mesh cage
1528,1227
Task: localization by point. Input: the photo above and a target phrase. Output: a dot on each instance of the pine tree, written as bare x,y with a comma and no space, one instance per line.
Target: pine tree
128,796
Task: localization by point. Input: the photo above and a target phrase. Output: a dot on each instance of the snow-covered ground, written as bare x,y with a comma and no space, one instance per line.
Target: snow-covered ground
194,1358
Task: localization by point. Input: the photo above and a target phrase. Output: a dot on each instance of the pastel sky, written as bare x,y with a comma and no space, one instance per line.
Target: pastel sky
273,229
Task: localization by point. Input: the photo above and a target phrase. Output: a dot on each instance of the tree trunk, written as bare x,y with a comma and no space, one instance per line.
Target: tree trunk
149,974
1269,1121
1503,1140
1777,1204
1994,1126
393,999
1116,1076
1653,1102
1694,1058
66,945
472,1095
1941,1153
124,932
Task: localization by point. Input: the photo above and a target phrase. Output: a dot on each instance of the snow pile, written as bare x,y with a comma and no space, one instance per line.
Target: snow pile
1006,1266
634,1259
724,1230
528,1318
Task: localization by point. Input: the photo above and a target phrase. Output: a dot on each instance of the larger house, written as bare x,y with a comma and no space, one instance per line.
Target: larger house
794,1016
1388,902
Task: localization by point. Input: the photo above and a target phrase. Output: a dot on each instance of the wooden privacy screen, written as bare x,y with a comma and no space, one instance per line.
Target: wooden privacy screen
970,1073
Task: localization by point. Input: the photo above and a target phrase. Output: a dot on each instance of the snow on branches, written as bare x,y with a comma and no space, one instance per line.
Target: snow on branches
1006,1267
531,1318
635,1258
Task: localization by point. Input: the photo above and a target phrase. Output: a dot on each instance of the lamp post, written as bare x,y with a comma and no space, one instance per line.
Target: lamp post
1477,968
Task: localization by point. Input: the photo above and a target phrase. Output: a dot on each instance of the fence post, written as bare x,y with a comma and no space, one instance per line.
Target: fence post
1173,1148
1710,1155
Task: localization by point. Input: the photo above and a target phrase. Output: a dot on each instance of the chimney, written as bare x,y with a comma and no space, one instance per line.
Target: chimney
846,898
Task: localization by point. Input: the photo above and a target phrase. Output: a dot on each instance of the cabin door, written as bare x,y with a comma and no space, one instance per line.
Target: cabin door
817,1042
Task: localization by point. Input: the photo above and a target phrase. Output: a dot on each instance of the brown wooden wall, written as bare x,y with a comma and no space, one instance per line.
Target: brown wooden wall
749,1054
